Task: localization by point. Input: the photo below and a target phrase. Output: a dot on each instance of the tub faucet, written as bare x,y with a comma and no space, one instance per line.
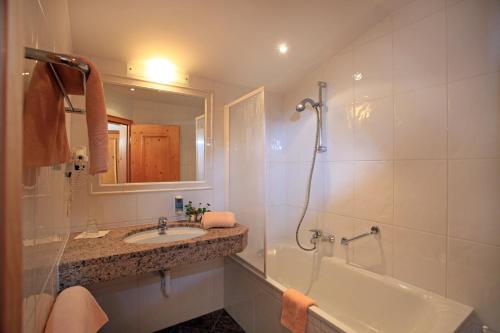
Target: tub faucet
162,225
318,236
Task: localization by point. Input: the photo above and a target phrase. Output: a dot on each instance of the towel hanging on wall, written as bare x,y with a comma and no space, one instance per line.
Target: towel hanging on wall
45,138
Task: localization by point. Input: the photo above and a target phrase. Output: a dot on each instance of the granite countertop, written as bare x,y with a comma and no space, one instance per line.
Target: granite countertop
89,261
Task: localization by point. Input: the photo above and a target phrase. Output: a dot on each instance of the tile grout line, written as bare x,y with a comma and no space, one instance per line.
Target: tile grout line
447,252
393,243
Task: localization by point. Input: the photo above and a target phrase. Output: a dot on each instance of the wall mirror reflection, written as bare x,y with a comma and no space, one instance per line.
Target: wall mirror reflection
154,135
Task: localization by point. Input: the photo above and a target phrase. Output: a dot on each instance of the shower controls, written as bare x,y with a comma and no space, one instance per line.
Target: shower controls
318,236
373,231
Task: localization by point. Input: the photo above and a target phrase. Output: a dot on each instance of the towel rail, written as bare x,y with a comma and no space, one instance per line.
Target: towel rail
56,58
373,231
60,59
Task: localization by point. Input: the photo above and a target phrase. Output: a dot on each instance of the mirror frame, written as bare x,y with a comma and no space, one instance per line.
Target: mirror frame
95,186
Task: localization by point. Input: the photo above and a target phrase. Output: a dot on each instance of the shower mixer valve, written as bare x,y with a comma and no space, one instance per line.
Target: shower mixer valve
318,236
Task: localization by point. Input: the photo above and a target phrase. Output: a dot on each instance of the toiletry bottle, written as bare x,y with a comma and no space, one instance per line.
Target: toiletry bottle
179,205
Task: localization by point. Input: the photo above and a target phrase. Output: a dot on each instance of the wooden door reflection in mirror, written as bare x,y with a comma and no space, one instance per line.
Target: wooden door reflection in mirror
154,136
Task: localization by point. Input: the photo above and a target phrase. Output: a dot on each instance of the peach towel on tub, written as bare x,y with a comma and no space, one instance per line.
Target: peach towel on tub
294,310
75,310
44,134
218,220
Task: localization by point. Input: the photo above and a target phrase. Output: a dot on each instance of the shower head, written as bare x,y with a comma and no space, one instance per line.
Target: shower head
302,105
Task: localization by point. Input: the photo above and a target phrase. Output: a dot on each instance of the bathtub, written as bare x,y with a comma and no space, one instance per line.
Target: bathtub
353,300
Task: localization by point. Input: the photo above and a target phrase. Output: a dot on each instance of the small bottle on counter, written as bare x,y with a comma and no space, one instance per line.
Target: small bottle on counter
179,205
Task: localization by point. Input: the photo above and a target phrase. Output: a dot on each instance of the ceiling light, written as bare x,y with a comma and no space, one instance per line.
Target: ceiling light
158,70
132,89
357,76
283,48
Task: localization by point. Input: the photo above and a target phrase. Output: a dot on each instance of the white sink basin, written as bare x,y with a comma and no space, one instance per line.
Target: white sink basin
171,235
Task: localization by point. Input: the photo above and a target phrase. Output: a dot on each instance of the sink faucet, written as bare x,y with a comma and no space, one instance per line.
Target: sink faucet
318,236
162,225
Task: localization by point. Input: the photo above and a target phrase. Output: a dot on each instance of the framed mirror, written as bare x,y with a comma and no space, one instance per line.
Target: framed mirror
159,137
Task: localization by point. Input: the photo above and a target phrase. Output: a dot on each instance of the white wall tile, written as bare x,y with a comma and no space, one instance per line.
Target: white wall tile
373,253
415,11
420,54
110,208
420,195
474,117
374,61
337,73
373,191
473,200
374,130
340,133
473,271
435,69
298,176
473,38
420,123
339,187
380,29
154,205
420,259
276,224
276,190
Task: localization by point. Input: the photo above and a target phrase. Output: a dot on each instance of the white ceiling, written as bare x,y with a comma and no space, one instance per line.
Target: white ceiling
232,41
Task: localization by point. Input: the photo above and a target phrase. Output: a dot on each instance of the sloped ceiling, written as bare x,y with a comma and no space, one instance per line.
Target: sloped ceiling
232,41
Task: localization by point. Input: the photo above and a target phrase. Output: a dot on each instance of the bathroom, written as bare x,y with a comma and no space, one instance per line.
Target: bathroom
338,160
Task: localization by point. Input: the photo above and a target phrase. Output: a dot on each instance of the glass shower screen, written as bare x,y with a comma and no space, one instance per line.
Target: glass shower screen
245,137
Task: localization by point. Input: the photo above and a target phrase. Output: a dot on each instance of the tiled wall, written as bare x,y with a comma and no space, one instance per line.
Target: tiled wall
44,203
413,147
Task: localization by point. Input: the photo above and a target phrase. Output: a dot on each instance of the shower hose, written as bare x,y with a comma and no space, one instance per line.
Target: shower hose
308,189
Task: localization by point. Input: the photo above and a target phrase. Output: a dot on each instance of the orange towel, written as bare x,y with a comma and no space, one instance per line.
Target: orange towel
294,311
45,139
218,220
75,310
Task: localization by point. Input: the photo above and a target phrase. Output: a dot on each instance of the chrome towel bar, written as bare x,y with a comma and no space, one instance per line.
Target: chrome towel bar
52,58
56,58
373,231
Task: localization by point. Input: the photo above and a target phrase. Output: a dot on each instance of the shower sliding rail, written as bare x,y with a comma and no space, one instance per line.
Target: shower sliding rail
52,58
373,231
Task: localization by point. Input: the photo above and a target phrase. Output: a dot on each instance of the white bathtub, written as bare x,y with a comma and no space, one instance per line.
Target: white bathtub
354,300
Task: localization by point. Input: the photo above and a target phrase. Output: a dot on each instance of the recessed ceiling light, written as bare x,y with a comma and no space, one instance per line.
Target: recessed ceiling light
357,76
132,89
283,48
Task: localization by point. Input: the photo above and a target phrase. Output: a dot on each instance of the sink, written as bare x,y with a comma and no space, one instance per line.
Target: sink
172,234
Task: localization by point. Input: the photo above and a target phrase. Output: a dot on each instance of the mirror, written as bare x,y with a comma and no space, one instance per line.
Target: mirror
154,135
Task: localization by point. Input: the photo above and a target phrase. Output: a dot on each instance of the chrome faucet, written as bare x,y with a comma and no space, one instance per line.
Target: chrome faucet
162,225
318,236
